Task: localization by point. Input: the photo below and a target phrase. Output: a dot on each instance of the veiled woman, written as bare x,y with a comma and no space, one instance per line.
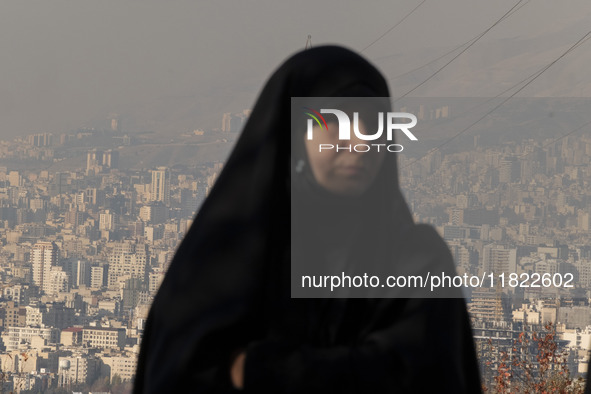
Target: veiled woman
224,318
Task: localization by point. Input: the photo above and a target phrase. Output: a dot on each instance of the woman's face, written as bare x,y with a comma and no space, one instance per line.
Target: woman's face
343,172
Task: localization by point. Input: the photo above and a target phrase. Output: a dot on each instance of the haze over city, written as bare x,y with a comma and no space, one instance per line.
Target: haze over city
175,66
117,117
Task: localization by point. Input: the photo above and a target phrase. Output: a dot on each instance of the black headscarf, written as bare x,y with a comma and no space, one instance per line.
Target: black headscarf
228,286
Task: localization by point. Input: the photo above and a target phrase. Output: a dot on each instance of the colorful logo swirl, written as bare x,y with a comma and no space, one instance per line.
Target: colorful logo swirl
315,116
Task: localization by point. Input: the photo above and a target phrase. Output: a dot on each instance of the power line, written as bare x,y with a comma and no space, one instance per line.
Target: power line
581,41
395,25
432,61
463,50
511,87
526,78
446,53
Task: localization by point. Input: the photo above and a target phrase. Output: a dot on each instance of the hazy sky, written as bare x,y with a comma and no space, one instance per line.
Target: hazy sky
67,64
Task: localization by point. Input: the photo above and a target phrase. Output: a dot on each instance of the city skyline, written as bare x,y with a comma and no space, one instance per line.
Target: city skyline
118,118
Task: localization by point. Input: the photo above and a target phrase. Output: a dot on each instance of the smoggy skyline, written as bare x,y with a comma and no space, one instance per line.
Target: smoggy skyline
176,66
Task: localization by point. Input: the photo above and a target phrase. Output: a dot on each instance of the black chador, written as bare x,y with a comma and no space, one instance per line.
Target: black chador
228,287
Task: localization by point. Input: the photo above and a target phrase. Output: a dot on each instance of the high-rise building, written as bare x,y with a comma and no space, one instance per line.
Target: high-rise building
509,170
160,187
132,264
498,259
43,139
107,220
234,122
123,366
43,257
489,304
94,160
115,124
106,338
154,213
13,315
58,281
191,201
93,196
584,221
15,337
111,158
131,290
98,276
14,178
82,273
74,217
59,184
456,216
227,121
78,271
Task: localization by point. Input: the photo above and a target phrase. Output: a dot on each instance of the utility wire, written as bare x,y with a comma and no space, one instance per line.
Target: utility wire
395,25
513,86
463,50
531,80
446,53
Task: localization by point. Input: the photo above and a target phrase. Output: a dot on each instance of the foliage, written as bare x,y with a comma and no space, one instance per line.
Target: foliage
534,365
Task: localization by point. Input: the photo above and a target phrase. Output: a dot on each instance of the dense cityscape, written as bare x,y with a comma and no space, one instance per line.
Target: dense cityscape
518,207
84,249
83,253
